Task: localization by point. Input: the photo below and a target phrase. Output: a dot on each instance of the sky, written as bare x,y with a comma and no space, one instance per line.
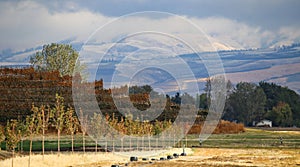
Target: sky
235,24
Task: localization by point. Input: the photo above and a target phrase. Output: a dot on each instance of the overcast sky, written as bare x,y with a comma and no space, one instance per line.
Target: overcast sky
237,23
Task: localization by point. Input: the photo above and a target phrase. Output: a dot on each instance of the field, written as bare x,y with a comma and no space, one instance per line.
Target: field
252,138
255,147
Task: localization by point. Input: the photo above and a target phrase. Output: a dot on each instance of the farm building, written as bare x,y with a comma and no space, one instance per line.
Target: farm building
263,123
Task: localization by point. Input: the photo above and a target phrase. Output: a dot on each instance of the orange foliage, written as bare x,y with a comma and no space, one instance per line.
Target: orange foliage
224,127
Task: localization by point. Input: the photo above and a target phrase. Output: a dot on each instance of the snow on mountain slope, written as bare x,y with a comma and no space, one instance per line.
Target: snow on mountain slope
280,65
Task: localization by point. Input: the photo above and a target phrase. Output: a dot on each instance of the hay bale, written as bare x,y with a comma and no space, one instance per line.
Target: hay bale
133,159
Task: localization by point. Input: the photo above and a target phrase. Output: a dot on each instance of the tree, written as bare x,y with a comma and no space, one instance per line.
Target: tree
57,117
83,118
12,137
176,99
281,115
276,94
247,102
72,124
45,116
2,136
22,132
98,129
203,101
205,98
60,57
32,125
129,123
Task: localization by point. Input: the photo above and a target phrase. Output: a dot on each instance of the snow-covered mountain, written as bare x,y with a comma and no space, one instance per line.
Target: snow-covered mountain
164,62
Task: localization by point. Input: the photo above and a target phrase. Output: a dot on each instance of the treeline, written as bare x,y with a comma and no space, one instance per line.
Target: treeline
250,102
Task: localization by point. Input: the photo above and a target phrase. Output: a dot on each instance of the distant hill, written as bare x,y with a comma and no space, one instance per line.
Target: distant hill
280,65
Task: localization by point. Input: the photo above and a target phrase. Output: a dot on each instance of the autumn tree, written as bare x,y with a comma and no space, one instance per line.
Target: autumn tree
32,124
129,123
96,123
83,118
22,132
57,117
44,121
12,137
72,124
2,136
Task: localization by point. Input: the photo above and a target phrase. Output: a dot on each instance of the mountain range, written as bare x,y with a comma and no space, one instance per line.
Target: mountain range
127,60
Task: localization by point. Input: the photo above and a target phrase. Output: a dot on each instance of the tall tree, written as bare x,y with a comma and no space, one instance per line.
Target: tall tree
22,132
57,117
2,136
281,115
33,125
247,102
276,94
83,118
60,57
72,124
44,121
98,128
12,137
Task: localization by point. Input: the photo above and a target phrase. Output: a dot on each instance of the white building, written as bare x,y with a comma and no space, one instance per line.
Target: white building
263,123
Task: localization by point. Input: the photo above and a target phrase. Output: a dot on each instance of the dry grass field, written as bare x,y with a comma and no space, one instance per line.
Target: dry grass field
66,160
255,147
236,157
196,157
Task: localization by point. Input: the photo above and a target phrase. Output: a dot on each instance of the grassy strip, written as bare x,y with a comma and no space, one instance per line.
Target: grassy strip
252,138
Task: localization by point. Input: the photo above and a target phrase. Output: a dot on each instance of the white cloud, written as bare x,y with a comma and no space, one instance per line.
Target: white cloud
235,34
28,24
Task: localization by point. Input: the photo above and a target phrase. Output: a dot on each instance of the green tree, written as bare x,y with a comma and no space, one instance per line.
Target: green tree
276,94
247,102
203,101
60,57
281,115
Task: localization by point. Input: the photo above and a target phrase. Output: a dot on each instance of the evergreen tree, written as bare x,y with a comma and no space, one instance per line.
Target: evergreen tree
247,102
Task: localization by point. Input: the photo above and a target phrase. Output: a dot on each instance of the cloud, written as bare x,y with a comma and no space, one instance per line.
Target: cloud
271,14
236,34
27,24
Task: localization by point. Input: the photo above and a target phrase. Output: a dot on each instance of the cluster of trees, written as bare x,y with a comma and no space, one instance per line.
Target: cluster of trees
64,120
39,121
248,102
